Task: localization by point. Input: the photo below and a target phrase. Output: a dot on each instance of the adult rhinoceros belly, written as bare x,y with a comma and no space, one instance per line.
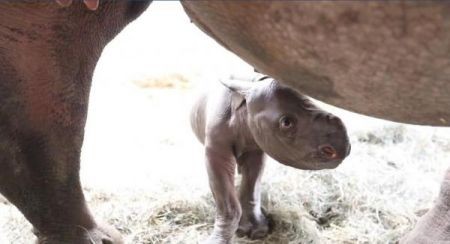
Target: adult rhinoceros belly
388,60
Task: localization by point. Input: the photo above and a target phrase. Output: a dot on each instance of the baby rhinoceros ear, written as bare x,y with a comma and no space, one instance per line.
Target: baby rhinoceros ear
239,86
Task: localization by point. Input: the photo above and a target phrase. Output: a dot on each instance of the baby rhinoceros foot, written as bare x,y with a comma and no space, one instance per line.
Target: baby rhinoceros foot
254,226
217,239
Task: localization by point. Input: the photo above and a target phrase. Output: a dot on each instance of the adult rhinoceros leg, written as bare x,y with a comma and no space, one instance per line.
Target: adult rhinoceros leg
434,226
47,57
253,223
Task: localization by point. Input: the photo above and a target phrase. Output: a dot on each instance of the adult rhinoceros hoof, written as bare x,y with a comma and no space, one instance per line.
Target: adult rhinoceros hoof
102,234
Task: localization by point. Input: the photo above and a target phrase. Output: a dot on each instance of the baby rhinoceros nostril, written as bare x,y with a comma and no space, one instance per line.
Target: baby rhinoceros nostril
328,151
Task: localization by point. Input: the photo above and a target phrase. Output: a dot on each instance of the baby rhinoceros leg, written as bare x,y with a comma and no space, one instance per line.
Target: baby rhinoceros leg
253,223
221,166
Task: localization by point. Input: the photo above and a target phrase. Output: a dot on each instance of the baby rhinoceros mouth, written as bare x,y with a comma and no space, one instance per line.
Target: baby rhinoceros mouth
326,157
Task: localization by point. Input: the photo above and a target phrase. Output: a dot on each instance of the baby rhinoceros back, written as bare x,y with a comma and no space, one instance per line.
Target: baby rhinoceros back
197,117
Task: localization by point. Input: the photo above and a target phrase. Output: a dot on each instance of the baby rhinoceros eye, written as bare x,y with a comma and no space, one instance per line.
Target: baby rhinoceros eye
286,122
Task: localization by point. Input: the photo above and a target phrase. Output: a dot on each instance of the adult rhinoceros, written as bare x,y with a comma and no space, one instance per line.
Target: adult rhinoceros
388,60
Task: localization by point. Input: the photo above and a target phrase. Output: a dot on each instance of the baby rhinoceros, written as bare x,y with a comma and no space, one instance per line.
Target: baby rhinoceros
238,123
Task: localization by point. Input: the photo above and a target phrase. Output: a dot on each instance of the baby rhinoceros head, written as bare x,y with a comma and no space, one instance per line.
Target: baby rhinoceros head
290,128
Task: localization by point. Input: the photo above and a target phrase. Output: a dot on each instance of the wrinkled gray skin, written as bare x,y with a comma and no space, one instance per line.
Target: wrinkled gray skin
240,121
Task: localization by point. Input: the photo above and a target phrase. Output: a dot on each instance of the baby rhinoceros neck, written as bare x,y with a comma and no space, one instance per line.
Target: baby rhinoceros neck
286,125
244,140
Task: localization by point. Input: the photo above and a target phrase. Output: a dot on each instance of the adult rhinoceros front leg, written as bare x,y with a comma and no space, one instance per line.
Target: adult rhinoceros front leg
47,57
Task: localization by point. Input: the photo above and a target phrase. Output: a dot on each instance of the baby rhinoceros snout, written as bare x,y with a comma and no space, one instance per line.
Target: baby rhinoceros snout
334,144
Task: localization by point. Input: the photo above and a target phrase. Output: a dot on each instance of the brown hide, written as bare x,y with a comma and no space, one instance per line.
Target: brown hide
47,57
389,60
